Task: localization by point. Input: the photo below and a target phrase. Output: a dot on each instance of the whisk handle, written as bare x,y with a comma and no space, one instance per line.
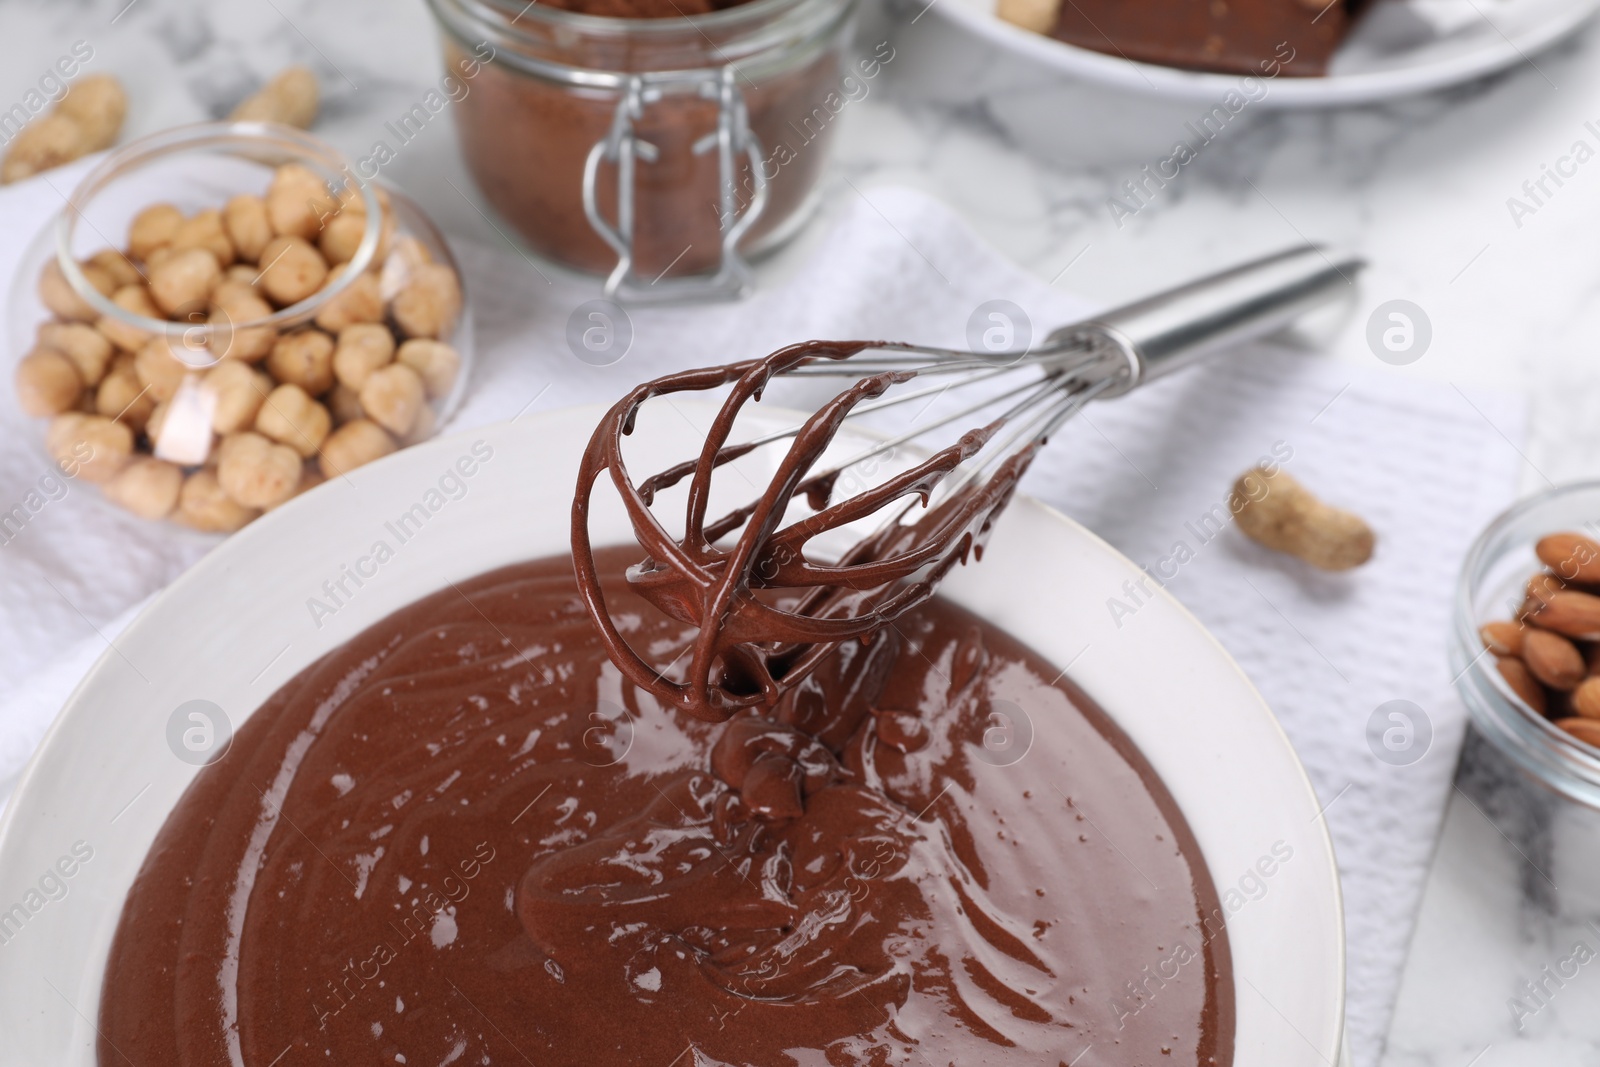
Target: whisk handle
1155,336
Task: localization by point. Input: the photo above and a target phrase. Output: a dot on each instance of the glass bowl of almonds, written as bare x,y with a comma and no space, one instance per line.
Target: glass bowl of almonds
1525,645
225,315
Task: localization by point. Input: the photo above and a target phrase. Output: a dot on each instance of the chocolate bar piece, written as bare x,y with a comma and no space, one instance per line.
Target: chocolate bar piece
1266,38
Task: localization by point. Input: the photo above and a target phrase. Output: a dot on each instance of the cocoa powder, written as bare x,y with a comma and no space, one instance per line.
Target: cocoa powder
526,139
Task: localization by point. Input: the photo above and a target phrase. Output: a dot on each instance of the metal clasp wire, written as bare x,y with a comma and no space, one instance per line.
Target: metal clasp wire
622,146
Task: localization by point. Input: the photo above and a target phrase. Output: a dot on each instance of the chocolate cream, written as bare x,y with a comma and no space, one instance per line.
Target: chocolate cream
463,838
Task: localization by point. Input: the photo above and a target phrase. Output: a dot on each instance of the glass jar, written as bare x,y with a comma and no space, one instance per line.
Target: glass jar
199,168
1492,587
665,151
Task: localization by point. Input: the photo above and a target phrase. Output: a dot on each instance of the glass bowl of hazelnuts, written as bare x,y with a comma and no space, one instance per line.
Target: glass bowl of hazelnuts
1525,643
225,315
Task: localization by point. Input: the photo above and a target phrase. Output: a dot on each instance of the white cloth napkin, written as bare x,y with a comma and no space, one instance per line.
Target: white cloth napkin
1426,465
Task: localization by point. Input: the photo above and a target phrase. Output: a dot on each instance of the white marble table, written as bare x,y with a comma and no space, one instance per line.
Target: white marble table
1421,186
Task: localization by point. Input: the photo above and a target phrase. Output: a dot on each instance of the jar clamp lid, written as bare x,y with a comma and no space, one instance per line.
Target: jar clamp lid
622,146
631,121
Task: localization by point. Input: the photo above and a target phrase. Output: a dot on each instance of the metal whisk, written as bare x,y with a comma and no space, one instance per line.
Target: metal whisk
766,612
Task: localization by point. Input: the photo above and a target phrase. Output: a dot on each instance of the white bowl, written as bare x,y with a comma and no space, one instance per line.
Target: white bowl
237,626
1386,55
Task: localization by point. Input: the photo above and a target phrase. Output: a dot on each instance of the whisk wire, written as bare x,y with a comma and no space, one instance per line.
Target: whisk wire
747,646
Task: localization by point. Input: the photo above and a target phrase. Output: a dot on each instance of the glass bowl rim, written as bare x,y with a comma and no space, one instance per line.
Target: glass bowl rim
197,136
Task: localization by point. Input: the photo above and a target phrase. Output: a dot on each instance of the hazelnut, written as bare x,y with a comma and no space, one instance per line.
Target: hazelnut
157,423
91,447
291,270
123,397
354,444
298,202
184,282
87,347
352,202
245,220
291,417
102,280
243,274
47,383
230,289
342,236
426,424
392,396
310,478
205,230
436,361
303,358
428,304
345,403
232,306
360,302
256,472
153,228
134,299
148,487
203,505
159,369
362,349
118,266
60,297
240,390
401,262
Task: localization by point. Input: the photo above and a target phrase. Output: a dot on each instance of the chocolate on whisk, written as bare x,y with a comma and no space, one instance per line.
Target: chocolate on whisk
766,611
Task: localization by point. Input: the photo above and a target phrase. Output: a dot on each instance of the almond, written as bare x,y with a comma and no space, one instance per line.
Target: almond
1585,730
1571,556
1567,611
1539,590
1553,659
1522,683
1586,698
1502,638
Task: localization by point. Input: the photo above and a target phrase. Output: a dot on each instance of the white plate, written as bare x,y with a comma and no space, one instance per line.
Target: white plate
1397,48
237,626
